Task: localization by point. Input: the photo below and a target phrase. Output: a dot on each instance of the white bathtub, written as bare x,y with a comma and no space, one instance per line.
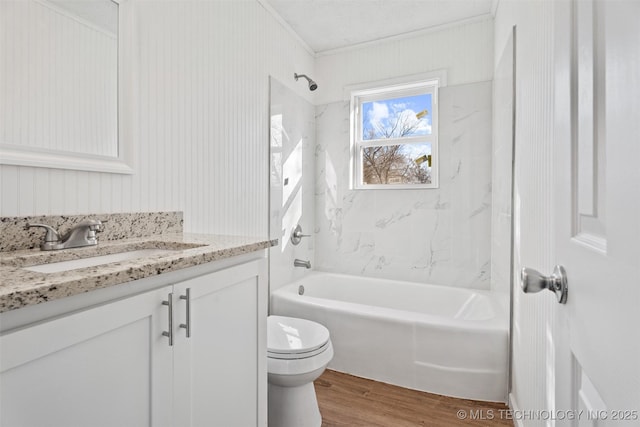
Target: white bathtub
438,339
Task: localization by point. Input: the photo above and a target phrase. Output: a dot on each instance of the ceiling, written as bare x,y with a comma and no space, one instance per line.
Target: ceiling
332,24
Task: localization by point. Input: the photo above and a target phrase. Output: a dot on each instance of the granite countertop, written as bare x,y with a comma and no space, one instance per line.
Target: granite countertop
20,288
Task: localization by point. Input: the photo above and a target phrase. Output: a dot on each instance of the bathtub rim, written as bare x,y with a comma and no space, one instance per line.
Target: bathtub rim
498,300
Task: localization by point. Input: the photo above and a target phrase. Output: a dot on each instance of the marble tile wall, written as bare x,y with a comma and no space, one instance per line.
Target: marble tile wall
292,166
14,237
439,236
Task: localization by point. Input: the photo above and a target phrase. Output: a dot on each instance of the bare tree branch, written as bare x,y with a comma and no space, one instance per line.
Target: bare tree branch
386,164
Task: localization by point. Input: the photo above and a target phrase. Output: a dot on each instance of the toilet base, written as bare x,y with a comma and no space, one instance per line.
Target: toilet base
293,406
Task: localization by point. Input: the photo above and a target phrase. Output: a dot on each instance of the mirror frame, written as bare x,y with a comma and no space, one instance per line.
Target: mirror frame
127,102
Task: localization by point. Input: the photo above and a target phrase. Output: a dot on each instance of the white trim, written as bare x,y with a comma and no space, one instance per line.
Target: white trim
402,82
127,84
411,34
127,117
267,6
394,91
403,36
41,158
67,14
494,7
368,92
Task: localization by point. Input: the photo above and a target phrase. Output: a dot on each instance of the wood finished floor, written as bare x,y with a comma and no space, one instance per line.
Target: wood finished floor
346,400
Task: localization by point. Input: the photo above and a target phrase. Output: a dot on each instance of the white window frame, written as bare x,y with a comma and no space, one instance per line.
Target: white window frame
383,91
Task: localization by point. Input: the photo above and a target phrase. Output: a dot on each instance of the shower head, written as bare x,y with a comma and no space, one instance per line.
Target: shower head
312,85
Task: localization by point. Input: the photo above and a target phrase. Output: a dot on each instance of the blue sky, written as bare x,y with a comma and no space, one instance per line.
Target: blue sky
384,114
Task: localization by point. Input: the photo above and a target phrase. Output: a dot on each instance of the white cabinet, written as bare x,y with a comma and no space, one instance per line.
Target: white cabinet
220,373
101,367
112,366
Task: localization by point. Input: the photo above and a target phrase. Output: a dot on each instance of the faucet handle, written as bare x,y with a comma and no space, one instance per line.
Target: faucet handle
100,226
296,235
51,236
91,224
94,226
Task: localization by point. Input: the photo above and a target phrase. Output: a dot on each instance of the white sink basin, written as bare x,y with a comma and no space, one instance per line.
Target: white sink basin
56,267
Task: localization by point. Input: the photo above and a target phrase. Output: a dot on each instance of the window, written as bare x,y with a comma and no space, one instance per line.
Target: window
394,137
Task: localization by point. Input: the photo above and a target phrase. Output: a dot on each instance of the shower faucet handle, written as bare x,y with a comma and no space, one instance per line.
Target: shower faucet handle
296,235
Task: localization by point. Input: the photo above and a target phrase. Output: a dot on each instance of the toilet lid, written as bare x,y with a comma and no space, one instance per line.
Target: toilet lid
292,336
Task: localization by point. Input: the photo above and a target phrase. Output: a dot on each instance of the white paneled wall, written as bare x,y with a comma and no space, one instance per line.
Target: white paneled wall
533,320
465,50
203,76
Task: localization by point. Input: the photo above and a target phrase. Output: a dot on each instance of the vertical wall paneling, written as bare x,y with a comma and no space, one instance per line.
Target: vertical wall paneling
10,189
40,195
203,73
25,185
533,321
85,198
106,187
59,199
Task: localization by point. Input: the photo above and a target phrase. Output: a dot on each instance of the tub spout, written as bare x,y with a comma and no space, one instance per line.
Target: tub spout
301,263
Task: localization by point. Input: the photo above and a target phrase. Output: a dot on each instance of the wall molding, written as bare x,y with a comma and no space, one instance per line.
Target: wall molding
405,36
267,6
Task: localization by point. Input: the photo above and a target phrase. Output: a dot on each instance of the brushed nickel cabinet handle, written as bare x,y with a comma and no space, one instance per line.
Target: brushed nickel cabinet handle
169,304
187,325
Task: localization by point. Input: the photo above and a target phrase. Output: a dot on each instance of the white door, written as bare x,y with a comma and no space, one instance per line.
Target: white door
597,211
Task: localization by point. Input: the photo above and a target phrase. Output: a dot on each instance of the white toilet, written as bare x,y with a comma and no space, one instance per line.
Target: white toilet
299,350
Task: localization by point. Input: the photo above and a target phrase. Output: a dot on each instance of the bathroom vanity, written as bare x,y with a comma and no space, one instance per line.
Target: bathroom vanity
168,339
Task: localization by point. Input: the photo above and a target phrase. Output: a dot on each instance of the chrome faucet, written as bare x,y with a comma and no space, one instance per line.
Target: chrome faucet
83,234
301,263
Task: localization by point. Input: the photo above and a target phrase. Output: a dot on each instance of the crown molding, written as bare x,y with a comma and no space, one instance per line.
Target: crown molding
267,6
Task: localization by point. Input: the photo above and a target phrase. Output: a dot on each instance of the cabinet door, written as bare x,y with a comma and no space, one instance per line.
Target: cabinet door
105,366
220,370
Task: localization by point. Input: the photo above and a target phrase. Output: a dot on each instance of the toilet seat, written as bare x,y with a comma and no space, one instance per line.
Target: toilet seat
293,338
300,366
301,355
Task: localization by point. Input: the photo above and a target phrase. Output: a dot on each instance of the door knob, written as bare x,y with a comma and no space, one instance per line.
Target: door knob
533,281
